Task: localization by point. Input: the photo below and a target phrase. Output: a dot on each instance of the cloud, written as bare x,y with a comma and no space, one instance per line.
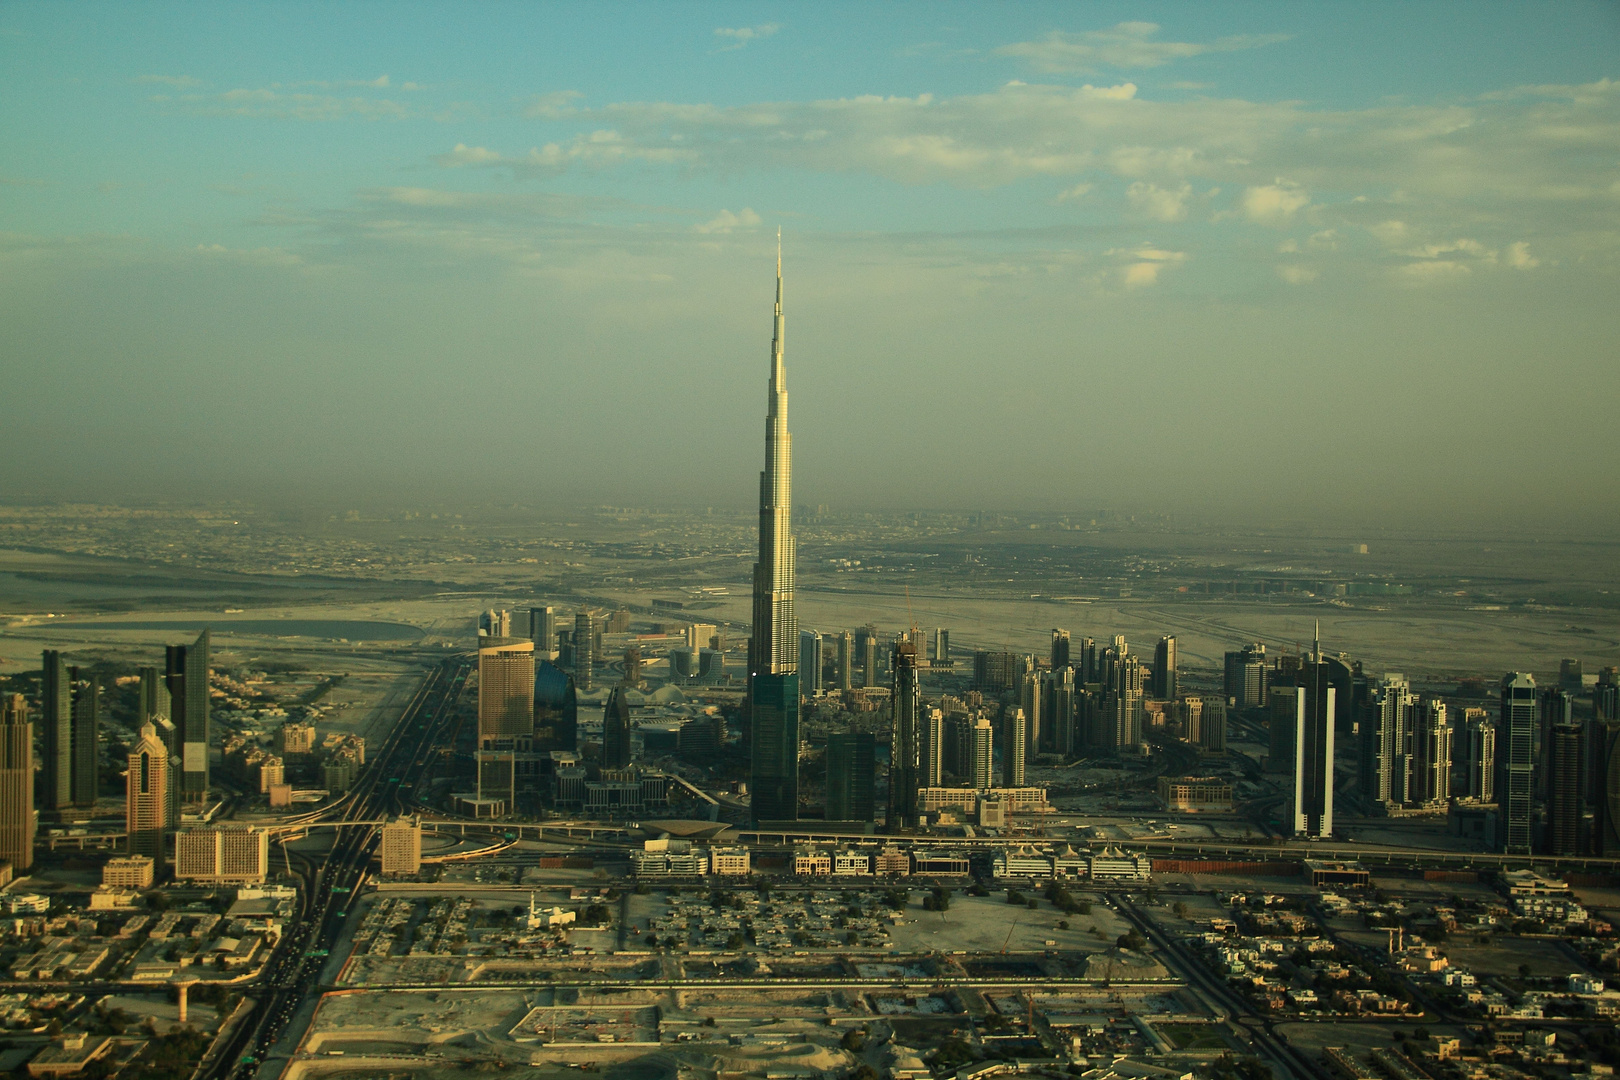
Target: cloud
1436,271
726,221
1127,45
1519,256
553,106
274,103
469,155
1079,191
742,35
1158,203
599,149
179,82
1145,263
1274,204
1295,274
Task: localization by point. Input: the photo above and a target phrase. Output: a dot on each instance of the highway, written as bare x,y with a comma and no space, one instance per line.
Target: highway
329,887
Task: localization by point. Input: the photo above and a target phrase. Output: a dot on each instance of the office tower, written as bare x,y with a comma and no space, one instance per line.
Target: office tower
556,709
1014,748
1125,689
1570,675
1212,726
851,776
147,803
905,753
401,846
56,733
1164,669
984,742
1060,649
1246,676
810,663
931,755
1563,762
942,647
1282,724
616,730
543,631
994,672
1606,700
1515,782
773,651
618,622
1603,787
86,738
505,691
1395,707
187,672
959,744
152,696
1479,749
1313,750
1431,754
846,649
1032,699
584,642
17,819
869,661
1556,707
632,665
1087,664
495,624
1059,711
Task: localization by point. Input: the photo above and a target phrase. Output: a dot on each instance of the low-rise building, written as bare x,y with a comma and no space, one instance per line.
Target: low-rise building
222,855
128,872
729,862
1194,793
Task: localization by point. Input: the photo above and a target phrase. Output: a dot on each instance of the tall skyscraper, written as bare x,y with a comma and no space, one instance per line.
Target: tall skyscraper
86,738
845,656
1032,691
1246,676
616,752
1515,782
931,771
1060,649
543,631
1058,706
984,742
1431,754
942,647
1125,699
1014,748
505,691
147,801
869,661
187,672
905,757
556,709
1480,736
584,640
1557,706
1282,726
773,651
810,659
1396,710
1087,661
1164,669
56,723
1563,761
1313,750
17,818
152,696
851,776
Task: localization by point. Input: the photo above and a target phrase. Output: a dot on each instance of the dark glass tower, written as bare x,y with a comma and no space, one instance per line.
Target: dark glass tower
851,776
556,708
616,730
1515,737
1313,749
56,731
905,752
186,671
773,649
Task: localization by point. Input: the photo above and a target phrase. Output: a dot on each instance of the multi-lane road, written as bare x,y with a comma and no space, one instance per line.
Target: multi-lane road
328,887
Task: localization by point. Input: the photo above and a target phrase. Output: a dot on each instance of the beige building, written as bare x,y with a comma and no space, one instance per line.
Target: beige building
148,800
891,861
402,846
295,738
1194,793
222,856
129,872
505,691
17,819
280,796
729,862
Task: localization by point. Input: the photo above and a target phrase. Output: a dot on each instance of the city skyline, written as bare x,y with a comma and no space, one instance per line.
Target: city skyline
1098,235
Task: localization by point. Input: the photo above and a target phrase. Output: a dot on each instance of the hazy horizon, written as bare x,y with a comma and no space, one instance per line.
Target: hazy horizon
1262,262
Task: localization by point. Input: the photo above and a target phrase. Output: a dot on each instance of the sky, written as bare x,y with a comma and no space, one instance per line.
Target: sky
1348,261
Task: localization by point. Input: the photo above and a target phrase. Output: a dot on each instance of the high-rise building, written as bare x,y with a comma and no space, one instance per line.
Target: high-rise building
17,817
632,665
1515,781
845,655
56,724
401,846
942,647
1603,786
86,739
1481,750
931,768
810,663
1431,754
1313,750
1396,710
773,651
1125,699
1282,712
1014,748
226,855
905,754
994,672
851,776
1557,706
505,691
1564,763
584,641
187,671
869,661
1246,676
152,697
616,752
1058,703
147,799
1606,700
543,631
1570,672
1087,661
1164,669
1060,649
984,743
1032,699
